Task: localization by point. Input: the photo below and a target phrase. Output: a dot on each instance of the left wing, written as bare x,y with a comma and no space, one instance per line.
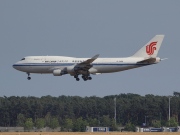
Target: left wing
89,61
85,65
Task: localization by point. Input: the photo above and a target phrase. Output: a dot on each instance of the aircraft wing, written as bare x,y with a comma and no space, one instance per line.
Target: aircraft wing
86,65
89,61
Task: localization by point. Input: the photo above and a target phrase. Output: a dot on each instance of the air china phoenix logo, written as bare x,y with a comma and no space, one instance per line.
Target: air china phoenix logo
151,48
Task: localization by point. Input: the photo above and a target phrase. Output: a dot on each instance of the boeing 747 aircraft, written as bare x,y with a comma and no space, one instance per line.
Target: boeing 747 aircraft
61,65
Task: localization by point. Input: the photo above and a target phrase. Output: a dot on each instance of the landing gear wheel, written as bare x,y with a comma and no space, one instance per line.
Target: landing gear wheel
29,78
76,77
84,78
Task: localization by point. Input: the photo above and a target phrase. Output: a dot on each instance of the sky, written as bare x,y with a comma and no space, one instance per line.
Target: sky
84,28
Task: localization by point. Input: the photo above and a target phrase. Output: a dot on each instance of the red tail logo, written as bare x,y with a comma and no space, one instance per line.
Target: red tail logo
150,48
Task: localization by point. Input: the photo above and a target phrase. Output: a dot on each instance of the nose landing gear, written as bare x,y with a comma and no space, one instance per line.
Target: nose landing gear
29,78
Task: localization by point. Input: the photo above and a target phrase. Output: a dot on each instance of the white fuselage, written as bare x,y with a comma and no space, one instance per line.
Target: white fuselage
60,65
47,64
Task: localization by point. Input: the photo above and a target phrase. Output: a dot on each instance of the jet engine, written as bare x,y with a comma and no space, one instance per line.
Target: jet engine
70,69
57,72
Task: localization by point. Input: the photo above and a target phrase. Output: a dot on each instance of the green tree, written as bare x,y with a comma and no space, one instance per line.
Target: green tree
29,123
177,94
54,123
106,121
48,119
130,127
172,122
113,125
156,123
93,122
68,124
20,120
79,125
130,107
40,123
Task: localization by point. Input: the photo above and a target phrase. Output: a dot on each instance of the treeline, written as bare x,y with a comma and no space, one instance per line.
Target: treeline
74,113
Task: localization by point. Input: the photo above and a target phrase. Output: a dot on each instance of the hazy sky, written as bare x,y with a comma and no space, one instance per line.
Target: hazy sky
83,28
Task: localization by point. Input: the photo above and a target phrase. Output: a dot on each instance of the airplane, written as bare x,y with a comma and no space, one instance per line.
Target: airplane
61,65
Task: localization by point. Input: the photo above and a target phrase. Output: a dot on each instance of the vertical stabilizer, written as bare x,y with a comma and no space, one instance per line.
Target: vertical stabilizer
151,48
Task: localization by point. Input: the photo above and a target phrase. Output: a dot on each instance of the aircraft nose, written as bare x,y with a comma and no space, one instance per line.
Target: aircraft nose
14,66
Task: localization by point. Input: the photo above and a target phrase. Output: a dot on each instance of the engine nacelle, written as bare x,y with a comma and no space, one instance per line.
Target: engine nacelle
93,71
57,72
70,69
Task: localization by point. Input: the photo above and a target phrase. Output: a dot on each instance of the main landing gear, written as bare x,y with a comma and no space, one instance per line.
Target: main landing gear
76,77
29,78
85,78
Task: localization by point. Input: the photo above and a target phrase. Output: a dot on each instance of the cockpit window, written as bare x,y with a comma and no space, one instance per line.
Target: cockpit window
23,59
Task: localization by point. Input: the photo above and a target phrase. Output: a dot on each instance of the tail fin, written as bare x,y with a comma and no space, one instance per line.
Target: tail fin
151,48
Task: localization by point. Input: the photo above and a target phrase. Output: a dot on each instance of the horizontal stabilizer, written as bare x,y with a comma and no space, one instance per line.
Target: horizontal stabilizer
149,60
